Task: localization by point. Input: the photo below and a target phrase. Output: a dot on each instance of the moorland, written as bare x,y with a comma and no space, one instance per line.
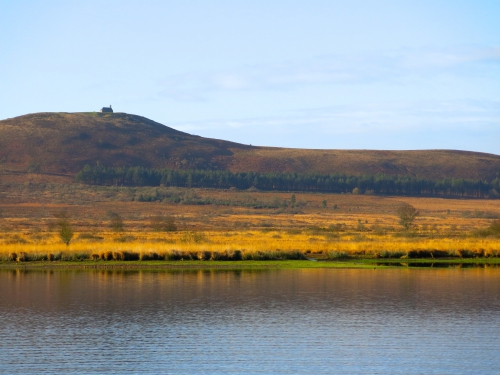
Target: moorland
47,214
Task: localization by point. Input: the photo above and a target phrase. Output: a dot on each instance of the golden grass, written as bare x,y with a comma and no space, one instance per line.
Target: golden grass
359,226
248,243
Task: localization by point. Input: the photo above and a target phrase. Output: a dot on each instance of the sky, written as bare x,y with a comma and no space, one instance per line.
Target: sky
333,74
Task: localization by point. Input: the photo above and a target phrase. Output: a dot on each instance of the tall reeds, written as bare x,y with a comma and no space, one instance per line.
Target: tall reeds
247,245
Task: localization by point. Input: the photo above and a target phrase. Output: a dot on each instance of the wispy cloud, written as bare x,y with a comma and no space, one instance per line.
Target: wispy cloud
387,67
449,58
406,98
449,124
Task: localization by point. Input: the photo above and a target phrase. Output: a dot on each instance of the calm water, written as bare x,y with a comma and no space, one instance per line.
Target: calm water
250,322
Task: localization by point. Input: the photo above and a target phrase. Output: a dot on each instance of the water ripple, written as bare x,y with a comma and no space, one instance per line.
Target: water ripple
267,322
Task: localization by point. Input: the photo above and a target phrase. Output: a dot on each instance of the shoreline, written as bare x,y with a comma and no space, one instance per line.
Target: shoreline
355,263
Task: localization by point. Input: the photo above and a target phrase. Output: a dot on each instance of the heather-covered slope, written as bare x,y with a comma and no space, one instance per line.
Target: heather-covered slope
64,142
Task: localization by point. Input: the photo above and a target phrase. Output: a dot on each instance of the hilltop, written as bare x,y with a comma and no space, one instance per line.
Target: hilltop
65,142
62,143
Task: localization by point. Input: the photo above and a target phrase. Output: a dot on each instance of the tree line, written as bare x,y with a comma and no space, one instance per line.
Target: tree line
379,183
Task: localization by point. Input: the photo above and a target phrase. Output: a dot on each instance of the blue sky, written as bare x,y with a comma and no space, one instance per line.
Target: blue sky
306,74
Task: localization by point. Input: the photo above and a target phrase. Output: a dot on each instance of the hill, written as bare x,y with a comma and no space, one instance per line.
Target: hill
62,143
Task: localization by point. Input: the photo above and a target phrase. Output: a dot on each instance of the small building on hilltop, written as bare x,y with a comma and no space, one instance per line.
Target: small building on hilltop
107,109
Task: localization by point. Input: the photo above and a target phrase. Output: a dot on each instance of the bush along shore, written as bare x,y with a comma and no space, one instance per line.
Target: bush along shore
238,255
123,255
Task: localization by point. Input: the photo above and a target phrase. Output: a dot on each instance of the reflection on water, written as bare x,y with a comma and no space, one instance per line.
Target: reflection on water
251,322
438,265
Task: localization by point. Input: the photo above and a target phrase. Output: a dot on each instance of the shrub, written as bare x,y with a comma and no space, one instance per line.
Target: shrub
160,223
115,221
204,255
130,255
236,255
464,253
392,254
149,256
495,226
65,231
337,255
173,255
22,257
294,254
117,255
492,231
407,215
106,255
419,254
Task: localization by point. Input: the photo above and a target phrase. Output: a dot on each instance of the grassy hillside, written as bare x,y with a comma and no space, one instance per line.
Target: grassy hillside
62,143
65,142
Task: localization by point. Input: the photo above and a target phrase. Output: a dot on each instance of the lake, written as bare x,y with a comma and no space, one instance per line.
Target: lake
318,321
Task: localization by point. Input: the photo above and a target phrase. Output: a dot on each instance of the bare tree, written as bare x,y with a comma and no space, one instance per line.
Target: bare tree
64,227
161,223
407,215
115,221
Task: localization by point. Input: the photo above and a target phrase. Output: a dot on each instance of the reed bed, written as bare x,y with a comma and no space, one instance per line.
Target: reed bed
145,255
243,245
442,248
